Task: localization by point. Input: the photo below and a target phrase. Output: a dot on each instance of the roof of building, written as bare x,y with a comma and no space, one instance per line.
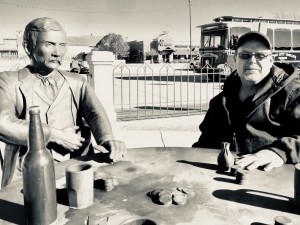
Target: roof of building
90,41
8,44
7,49
183,51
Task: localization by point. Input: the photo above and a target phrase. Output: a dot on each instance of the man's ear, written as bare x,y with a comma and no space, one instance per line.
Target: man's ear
27,48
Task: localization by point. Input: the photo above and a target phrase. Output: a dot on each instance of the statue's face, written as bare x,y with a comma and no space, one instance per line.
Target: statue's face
49,51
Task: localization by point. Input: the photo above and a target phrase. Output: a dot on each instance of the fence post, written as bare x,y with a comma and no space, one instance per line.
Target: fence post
100,69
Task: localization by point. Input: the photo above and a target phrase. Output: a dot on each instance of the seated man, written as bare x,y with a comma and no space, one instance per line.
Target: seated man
258,111
68,104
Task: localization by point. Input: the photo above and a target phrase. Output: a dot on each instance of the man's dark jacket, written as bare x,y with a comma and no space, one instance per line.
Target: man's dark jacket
270,120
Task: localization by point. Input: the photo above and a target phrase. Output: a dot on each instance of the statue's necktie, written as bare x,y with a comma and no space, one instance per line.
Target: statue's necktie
49,87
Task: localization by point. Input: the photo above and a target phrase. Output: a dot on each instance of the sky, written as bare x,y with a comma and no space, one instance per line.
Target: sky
135,19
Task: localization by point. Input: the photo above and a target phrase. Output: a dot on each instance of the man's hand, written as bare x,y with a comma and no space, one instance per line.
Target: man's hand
266,158
117,149
67,138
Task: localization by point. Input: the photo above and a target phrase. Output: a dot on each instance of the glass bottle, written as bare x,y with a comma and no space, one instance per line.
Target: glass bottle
39,188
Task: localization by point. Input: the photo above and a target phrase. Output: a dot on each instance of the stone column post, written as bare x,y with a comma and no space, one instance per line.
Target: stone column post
101,79
160,58
171,58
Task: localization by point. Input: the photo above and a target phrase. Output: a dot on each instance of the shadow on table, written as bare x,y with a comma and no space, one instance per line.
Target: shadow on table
98,157
62,196
9,210
226,180
258,198
208,166
257,223
62,193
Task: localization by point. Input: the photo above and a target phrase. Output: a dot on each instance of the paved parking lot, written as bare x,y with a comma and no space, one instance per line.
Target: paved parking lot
165,132
157,90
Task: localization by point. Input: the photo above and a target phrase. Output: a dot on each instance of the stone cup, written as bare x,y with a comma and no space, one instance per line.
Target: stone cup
80,185
297,186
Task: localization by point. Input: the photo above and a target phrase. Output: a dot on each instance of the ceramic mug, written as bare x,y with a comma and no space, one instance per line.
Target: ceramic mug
80,185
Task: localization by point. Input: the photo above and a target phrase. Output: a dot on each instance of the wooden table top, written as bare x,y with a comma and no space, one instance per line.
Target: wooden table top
218,199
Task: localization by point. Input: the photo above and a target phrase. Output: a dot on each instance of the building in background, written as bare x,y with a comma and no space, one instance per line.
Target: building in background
9,48
160,50
12,48
182,52
78,44
139,51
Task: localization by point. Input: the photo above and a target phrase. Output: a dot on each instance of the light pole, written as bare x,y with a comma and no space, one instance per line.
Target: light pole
18,33
190,30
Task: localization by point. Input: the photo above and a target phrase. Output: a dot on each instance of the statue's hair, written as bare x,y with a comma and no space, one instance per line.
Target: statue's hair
38,25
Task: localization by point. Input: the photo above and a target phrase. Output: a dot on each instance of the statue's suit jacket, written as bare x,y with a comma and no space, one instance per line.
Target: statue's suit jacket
16,93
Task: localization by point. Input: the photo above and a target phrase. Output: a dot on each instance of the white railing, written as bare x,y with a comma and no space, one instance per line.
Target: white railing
164,90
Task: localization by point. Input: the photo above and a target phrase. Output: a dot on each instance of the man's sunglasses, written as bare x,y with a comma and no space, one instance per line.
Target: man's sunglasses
257,55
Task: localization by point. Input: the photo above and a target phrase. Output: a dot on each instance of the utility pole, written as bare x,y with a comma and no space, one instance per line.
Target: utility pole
18,33
190,30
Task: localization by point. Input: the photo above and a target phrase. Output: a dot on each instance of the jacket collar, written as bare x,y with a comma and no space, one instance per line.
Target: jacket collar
280,75
284,73
26,78
75,86
277,80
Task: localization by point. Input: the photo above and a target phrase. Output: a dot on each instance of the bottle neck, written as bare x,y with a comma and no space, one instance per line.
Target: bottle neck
36,139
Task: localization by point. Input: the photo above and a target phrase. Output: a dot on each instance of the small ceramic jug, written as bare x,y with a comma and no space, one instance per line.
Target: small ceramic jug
225,158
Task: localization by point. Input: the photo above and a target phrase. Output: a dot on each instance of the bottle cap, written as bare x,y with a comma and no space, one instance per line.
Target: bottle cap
34,109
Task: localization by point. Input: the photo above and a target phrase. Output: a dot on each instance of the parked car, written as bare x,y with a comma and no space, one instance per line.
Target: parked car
79,64
220,73
194,64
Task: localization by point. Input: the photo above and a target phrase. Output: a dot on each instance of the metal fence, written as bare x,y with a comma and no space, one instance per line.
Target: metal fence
164,90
